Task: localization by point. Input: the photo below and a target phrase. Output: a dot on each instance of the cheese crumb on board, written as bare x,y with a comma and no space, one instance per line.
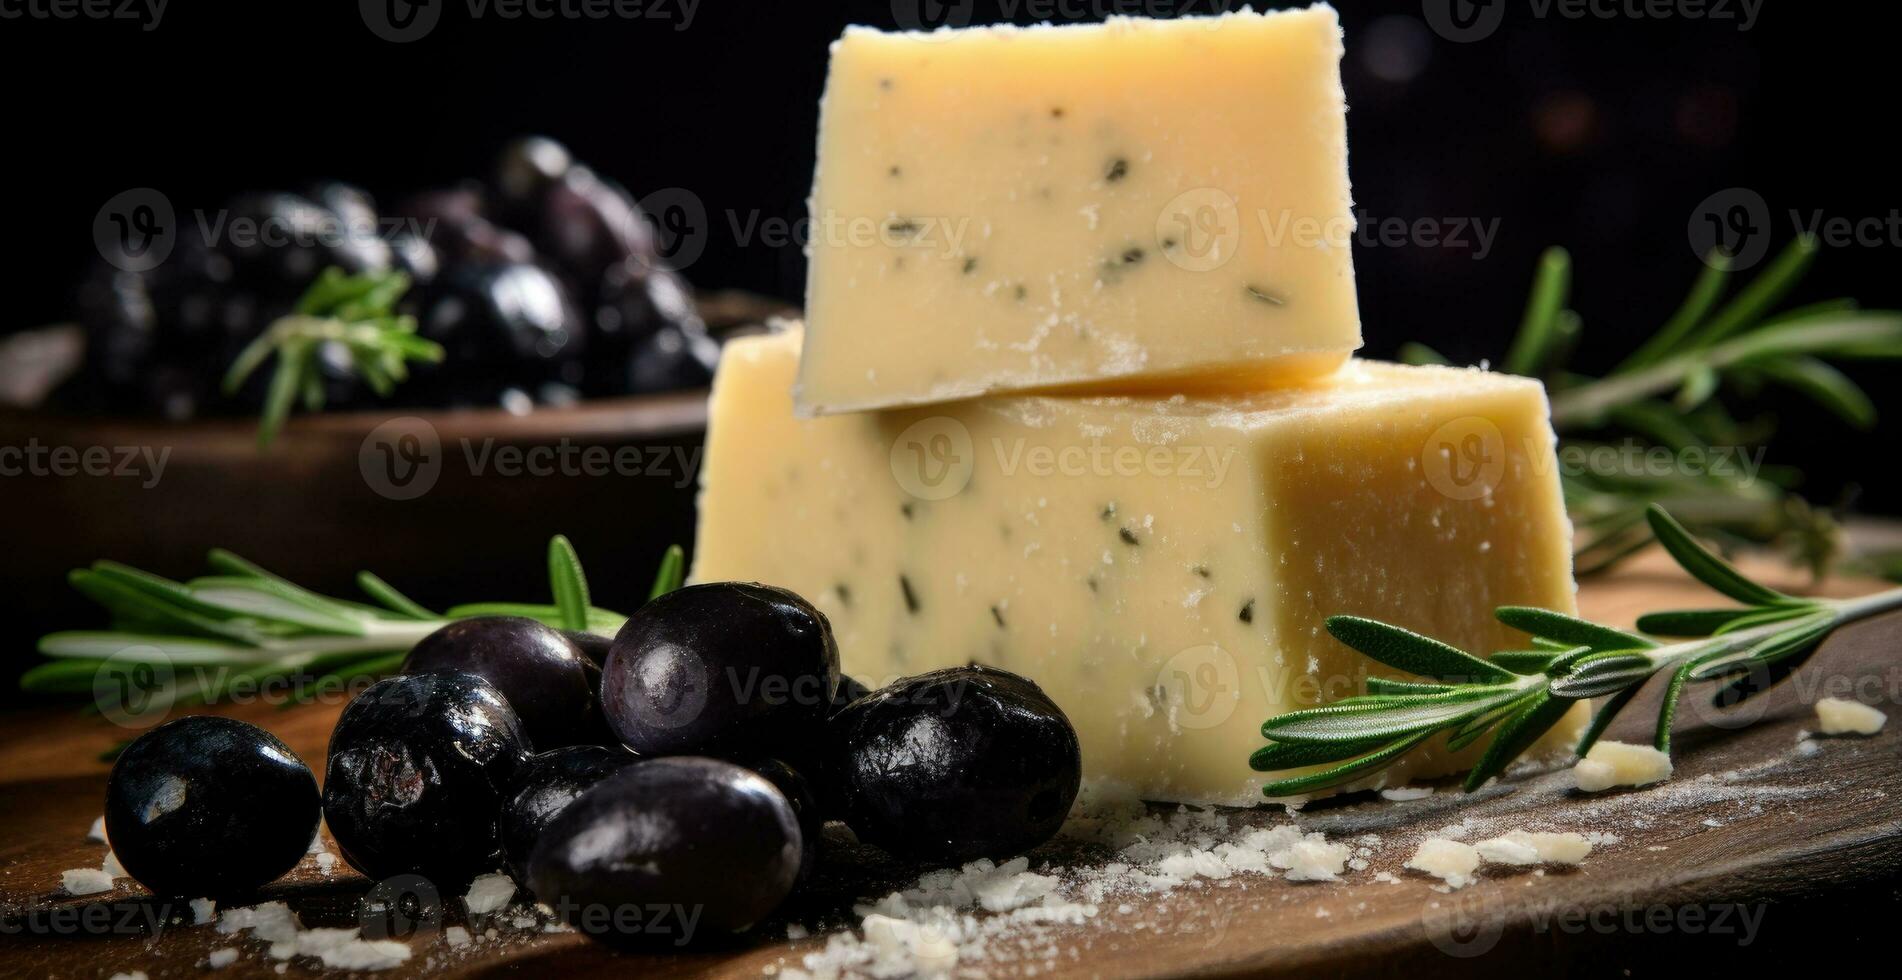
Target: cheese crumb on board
1610,764
456,936
221,958
1450,861
203,911
1401,794
98,832
1522,847
337,949
85,881
1839,716
489,893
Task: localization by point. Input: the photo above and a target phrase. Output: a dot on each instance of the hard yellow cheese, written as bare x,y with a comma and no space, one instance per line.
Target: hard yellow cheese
1162,567
1162,203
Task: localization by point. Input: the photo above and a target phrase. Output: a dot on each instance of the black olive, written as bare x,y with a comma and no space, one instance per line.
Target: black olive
544,787
634,302
726,669
674,357
539,669
850,690
207,806
583,224
805,804
502,327
456,225
594,646
419,767
526,168
955,765
277,243
669,852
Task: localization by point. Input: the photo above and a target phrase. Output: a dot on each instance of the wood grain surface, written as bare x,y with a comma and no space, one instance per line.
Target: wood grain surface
1754,856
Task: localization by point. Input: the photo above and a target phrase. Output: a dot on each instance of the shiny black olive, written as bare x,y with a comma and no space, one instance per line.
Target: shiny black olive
540,670
634,301
594,646
513,318
955,765
278,242
544,787
724,669
805,804
419,767
212,807
669,852
526,168
583,224
456,225
850,690
674,357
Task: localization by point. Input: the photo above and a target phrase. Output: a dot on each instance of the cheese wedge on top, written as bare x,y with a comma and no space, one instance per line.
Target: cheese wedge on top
1161,566
1155,203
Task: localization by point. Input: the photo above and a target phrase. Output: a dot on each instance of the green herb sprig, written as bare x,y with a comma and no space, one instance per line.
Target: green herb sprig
355,313
243,624
1518,695
1668,391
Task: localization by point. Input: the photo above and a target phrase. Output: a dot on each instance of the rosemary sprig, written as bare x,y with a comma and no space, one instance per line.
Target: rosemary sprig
356,314
243,624
1668,392
1519,695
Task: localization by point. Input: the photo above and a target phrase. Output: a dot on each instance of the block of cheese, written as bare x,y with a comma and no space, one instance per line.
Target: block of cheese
1161,566
1156,202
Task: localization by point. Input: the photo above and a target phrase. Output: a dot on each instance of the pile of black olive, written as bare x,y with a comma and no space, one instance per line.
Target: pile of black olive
691,763
543,285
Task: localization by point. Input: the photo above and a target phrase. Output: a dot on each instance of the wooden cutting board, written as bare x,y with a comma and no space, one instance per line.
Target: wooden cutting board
1754,855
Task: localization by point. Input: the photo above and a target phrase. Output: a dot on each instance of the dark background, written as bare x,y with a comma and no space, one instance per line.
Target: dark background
1603,134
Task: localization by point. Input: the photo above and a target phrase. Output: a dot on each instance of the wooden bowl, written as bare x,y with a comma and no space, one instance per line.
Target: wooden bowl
450,506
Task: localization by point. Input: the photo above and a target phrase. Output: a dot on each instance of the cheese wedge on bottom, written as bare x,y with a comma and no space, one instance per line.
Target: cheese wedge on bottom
1161,566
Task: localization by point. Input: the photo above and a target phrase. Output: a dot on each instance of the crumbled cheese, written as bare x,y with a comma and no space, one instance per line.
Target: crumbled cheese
134,975
98,832
221,958
112,867
1838,716
327,863
1611,764
203,909
1450,861
1404,793
489,893
1522,847
85,881
1312,859
456,936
